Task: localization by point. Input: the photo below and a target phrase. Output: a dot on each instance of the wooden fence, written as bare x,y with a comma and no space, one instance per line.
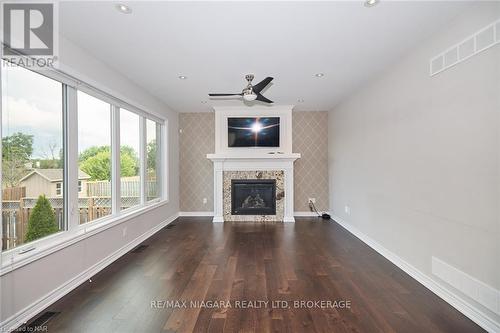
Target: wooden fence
128,188
16,213
13,193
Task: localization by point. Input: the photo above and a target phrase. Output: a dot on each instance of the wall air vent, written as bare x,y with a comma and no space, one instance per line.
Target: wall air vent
472,45
39,324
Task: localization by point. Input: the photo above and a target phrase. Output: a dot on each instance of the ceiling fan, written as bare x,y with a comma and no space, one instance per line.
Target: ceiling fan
251,92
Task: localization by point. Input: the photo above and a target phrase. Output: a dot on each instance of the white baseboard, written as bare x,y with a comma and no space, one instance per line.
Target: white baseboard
301,214
305,214
196,213
469,310
42,303
477,290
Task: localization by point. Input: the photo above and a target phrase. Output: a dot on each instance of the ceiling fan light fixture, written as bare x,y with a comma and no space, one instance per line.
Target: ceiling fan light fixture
249,97
251,92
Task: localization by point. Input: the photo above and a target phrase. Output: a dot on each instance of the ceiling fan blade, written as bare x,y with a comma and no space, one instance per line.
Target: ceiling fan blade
215,95
261,85
263,99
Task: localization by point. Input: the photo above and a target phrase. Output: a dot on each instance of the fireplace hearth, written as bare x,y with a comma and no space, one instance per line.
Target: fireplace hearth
253,197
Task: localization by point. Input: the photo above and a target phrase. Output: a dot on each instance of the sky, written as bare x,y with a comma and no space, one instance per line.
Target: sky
32,104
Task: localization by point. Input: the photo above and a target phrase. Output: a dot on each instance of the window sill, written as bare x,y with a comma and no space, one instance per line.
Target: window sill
13,259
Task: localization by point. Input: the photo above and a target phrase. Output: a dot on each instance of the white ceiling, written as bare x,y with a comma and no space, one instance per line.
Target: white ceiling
215,44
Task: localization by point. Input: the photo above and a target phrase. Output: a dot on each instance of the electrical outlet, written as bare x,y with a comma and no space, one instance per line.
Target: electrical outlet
124,232
312,200
347,210
205,201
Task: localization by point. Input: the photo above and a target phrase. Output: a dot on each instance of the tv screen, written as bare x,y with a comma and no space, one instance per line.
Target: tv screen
253,132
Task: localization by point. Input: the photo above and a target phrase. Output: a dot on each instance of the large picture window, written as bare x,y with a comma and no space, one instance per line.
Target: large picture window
32,157
70,156
94,158
130,173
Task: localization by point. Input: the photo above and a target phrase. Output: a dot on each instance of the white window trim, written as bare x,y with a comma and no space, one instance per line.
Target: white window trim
115,167
142,159
26,253
164,170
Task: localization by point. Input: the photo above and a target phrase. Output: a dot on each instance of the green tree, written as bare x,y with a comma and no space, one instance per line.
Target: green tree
96,162
42,221
151,149
92,151
16,152
19,144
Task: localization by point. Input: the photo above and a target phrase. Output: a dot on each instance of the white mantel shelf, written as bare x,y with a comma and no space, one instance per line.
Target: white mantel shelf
266,157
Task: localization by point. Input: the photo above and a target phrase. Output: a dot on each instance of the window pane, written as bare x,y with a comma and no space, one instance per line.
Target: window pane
129,159
152,159
32,156
94,158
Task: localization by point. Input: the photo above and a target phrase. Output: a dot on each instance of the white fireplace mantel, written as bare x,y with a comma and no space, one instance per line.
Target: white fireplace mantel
232,162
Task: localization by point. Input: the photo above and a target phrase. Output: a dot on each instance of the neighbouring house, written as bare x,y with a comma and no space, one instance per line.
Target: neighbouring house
49,182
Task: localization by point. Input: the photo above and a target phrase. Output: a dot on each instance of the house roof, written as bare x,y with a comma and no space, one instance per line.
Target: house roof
54,175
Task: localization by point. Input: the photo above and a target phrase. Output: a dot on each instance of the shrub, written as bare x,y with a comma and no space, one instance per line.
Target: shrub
42,221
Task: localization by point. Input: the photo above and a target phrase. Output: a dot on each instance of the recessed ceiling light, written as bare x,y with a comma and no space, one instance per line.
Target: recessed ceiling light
319,74
371,3
123,8
182,77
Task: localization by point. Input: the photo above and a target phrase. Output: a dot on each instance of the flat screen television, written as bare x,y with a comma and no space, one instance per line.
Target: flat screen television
253,132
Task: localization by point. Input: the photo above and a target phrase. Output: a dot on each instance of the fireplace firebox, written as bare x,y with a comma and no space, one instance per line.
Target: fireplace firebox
253,197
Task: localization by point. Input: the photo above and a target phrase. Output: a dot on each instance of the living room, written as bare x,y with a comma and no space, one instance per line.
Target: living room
250,166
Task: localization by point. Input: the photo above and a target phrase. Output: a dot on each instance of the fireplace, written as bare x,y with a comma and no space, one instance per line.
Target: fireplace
253,196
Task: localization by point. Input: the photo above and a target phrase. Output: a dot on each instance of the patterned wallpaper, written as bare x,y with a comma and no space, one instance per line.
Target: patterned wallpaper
310,139
197,138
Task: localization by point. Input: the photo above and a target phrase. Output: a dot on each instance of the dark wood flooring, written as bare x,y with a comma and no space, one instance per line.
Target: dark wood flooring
311,260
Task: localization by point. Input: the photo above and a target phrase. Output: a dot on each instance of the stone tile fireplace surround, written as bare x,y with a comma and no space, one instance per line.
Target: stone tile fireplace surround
266,167
280,194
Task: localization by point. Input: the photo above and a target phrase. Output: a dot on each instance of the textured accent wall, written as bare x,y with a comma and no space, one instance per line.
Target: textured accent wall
310,139
197,138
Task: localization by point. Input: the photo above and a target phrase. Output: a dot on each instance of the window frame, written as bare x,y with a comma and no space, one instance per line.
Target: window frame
21,255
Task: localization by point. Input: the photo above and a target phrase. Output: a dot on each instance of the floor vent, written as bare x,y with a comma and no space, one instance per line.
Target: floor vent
39,323
170,226
139,248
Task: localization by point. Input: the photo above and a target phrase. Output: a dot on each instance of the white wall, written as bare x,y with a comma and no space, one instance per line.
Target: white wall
27,285
417,158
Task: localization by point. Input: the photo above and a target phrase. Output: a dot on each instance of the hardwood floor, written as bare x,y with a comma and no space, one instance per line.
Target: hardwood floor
311,260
